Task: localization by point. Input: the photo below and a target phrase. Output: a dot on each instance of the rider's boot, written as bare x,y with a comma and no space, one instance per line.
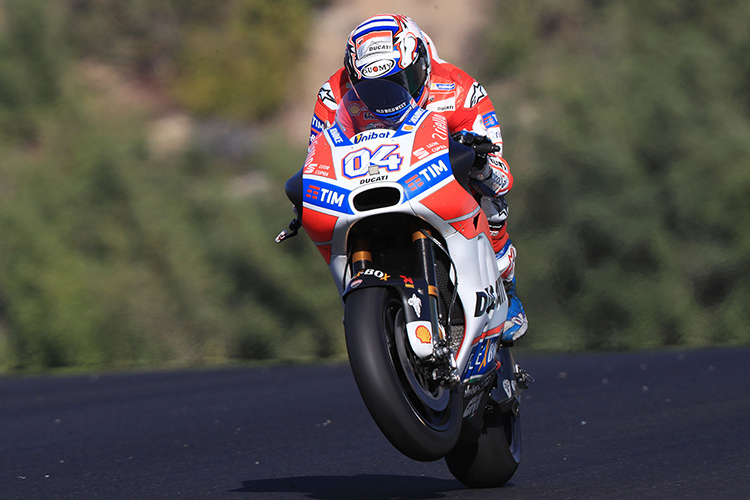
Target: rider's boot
516,323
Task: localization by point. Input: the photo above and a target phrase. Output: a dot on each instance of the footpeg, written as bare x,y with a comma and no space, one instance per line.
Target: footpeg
523,379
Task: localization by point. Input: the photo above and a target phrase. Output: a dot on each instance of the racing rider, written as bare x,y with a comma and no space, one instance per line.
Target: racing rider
391,47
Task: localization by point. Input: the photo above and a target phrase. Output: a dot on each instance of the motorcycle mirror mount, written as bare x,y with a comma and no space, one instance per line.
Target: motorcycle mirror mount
290,232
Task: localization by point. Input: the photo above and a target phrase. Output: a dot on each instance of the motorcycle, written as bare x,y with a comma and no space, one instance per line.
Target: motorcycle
392,213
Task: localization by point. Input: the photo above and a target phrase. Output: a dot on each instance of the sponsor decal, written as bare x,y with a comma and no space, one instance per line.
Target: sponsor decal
382,276
440,132
434,171
374,43
336,135
497,137
426,176
427,150
476,94
420,337
355,284
408,282
423,334
474,389
368,180
326,171
355,109
325,94
490,120
442,100
387,111
473,406
514,321
420,153
416,303
488,300
366,136
326,196
483,356
442,86
317,124
507,387
442,107
416,116
378,68
319,170
414,182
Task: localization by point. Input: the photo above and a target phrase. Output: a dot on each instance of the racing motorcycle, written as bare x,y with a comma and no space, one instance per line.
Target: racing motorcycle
392,213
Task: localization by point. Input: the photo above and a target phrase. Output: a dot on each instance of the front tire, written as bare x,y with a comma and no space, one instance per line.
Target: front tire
421,418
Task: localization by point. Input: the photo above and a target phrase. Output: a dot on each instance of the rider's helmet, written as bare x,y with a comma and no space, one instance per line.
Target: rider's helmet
388,63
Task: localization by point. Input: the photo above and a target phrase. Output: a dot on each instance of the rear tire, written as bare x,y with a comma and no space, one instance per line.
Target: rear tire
494,458
419,417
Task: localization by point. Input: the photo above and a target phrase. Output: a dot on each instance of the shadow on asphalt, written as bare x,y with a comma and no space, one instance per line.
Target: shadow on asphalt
363,486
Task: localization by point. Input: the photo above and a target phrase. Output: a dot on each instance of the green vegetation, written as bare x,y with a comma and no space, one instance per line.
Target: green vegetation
627,126
118,250
628,132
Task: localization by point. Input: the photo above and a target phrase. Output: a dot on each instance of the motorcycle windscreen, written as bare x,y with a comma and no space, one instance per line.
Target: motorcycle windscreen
388,100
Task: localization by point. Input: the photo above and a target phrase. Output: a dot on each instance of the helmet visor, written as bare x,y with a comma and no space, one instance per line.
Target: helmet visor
412,78
384,97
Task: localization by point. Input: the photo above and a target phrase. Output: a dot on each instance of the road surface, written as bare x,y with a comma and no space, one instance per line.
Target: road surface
641,425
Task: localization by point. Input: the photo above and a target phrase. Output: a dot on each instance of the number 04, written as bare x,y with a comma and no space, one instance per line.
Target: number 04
360,162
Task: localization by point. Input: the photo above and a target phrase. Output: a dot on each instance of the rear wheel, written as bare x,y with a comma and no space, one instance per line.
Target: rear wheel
420,417
494,458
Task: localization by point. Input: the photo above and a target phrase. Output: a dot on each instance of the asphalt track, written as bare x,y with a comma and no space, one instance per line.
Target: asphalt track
644,425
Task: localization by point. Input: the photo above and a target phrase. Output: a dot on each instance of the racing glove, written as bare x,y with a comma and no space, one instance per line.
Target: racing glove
482,146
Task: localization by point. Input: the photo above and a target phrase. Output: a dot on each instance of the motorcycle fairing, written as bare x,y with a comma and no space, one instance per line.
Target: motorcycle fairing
415,161
482,359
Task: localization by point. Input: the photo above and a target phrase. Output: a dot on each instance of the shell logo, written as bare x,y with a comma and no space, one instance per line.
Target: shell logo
423,334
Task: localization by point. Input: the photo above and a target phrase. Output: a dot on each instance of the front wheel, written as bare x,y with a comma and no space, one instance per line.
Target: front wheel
420,417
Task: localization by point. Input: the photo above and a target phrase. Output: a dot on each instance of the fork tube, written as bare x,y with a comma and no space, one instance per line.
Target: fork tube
425,257
361,256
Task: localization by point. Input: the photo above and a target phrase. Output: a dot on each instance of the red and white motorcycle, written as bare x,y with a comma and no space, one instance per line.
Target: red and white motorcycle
408,246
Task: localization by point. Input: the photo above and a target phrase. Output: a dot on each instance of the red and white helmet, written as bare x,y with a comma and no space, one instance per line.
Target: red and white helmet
388,48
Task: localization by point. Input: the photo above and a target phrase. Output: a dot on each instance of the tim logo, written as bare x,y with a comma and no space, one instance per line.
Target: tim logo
434,173
324,196
490,120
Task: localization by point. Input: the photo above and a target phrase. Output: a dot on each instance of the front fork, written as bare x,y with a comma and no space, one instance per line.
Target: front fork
446,369
440,360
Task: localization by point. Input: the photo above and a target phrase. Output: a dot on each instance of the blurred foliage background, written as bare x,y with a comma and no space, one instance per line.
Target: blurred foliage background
142,171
